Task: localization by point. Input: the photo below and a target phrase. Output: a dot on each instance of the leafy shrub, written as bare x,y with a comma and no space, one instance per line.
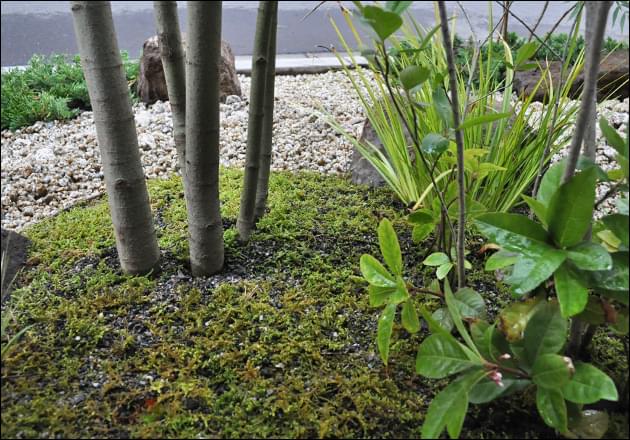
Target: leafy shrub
50,89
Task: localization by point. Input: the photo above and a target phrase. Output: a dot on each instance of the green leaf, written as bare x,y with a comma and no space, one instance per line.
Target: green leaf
443,270
551,182
552,371
413,76
530,271
572,294
525,52
552,408
483,119
618,224
384,332
379,295
410,318
383,22
397,7
537,208
546,332
470,303
612,137
589,385
434,144
487,390
622,206
514,318
571,208
440,356
590,256
443,106
375,273
615,279
513,232
420,232
449,407
593,313
500,260
436,259
421,217
389,246
590,424
443,318
451,302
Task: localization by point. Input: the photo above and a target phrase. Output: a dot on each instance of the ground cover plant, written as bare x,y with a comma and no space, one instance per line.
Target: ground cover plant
279,345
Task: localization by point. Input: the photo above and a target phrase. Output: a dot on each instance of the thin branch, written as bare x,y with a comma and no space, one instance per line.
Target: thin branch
542,13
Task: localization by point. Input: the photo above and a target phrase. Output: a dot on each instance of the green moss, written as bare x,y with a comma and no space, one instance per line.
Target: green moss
282,344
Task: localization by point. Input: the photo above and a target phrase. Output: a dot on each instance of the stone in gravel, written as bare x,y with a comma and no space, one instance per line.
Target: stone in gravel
14,250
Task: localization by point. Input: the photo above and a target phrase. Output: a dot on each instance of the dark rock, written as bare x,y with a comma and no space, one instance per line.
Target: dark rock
152,82
14,250
613,71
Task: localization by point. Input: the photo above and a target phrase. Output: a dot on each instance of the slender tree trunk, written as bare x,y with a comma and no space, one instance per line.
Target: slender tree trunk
202,138
590,144
245,223
506,17
173,60
267,131
459,140
598,12
136,242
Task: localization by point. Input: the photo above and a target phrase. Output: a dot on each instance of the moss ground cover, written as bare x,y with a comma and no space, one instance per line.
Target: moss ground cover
280,344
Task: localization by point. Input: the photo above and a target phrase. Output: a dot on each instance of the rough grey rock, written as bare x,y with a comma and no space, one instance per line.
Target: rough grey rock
14,249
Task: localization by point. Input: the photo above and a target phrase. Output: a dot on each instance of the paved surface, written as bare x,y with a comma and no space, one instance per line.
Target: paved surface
30,27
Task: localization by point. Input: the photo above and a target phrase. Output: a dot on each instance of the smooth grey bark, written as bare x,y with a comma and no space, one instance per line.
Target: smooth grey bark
459,140
264,21
205,228
598,12
173,60
136,242
267,132
590,135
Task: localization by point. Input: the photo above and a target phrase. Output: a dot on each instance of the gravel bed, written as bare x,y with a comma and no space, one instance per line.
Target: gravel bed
50,166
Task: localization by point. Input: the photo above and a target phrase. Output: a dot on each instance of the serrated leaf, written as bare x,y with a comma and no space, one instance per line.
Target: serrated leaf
384,332
552,408
572,293
375,273
390,248
570,210
589,385
551,371
410,318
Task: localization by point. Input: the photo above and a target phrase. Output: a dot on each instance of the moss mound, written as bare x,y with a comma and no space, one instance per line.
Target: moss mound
280,344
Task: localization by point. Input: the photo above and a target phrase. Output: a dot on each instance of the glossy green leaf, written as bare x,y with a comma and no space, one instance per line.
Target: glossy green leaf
622,205
618,224
420,232
449,407
551,182
384,23
513,232
487,390
410,318
421,217
552,371
434,144
532,270
440,356
612,137
590,256
483,119
570,210
390,248
525,52
615,279
552,408
443,318
589,385
537,207
413,76
572,293
593,313
470,303
453,309
443,106
379,295
436,259
443,270
384,332
500,260
546,332
375,273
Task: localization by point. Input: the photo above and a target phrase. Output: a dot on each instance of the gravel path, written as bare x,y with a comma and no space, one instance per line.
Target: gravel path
50,166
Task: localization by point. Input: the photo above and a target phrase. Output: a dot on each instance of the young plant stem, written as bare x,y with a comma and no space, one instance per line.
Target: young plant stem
260,61
461,182
174,62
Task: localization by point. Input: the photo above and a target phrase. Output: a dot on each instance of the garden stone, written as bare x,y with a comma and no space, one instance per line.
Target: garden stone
613,71
152,82
14,250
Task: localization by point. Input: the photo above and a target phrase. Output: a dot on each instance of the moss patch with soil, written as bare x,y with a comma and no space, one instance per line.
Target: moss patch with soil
280,344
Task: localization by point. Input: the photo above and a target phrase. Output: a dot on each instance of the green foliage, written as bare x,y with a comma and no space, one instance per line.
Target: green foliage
49,89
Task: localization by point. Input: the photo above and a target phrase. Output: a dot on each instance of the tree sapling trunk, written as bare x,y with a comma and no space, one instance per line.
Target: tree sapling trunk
136,242
260,61
205,227
173,60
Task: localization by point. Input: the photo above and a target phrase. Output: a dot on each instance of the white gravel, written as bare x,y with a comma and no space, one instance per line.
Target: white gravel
50,166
